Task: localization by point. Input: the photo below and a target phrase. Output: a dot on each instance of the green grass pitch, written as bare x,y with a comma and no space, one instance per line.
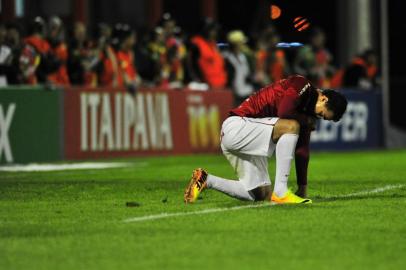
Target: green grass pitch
74,219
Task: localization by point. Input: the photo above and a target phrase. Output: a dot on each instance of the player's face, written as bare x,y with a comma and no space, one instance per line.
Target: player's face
321,109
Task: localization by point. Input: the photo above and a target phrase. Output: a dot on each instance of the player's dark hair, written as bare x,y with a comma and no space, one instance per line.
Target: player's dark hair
337,103
206,25
38,26
121,31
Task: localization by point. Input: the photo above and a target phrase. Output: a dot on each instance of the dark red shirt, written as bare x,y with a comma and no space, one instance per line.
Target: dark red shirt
291,98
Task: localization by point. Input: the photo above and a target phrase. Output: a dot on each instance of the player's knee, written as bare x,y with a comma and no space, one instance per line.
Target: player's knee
285,126
293,127
290,127
260,193
261,197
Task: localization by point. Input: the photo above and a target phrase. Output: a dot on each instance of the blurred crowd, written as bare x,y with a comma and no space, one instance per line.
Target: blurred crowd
44,52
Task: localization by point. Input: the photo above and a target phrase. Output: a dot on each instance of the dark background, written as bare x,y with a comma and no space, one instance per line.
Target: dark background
248,15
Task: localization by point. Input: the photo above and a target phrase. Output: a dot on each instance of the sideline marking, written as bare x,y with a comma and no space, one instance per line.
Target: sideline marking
368,192
205,211
234,208
34,167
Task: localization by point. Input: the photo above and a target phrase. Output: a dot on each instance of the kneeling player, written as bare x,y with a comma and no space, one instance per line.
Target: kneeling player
279,118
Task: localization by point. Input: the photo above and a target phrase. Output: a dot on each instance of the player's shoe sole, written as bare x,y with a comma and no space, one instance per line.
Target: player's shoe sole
196,185
289,198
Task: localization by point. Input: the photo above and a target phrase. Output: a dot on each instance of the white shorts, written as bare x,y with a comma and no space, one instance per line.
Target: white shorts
247,144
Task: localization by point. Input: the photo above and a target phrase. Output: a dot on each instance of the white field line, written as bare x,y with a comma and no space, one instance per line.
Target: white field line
200,212
68,166
368,192
216,210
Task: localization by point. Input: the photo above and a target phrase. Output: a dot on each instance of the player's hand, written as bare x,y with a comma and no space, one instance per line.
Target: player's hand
301,191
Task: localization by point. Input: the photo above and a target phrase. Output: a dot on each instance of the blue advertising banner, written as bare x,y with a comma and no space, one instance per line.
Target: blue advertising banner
360,127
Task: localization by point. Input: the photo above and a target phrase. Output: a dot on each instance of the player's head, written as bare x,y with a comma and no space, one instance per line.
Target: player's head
38,26
330,105
123,37
209,28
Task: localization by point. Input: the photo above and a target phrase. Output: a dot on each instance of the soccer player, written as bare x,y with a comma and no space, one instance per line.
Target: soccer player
278,118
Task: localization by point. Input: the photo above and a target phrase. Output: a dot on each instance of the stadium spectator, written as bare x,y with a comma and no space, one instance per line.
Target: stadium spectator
124,42
151,55
36,61
172,72
113,62
9,67
5,50
362,71
314,61
271,64
104,34
168,25
173,68
59,50
205,62
83,58
162,58
240,73
117,59
6,56
93,53
14,38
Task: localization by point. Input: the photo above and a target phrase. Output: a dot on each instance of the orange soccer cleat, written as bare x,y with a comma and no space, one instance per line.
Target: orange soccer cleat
196,186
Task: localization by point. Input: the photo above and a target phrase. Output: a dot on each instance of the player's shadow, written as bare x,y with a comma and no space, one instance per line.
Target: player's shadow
358,197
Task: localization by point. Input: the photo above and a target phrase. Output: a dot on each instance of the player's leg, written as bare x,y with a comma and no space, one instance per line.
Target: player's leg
236,189
245,143
229,187
253,170
253,182
201,180
285,134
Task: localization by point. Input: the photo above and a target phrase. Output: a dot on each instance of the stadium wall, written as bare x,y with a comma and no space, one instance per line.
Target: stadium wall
105,123
360,127
30,125
38,125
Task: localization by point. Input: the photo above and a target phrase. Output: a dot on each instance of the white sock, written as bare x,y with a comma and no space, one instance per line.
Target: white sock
285,149
232,188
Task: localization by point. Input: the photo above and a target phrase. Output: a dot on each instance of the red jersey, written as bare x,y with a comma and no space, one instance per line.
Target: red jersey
60,77
40,44
291,98
126,62
211,63
111,75
35,48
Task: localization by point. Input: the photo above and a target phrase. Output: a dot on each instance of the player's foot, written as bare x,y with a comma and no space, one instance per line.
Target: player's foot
196,186
289,197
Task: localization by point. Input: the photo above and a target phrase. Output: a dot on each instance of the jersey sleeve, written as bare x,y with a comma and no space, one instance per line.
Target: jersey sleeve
298,82
288,107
